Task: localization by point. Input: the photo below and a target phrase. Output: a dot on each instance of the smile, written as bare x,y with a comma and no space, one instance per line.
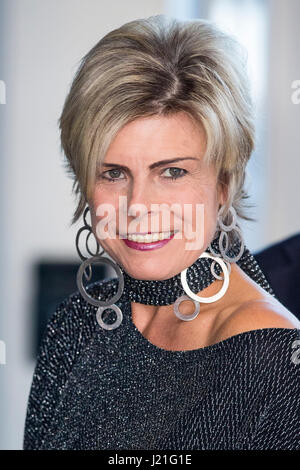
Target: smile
148,241
150,237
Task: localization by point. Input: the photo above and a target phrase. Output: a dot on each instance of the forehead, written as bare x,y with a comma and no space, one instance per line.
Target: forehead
157,137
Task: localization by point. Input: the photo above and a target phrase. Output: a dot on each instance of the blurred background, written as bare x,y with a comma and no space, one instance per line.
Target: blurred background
41,44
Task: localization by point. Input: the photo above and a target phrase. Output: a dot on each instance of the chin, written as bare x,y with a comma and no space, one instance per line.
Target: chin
151,274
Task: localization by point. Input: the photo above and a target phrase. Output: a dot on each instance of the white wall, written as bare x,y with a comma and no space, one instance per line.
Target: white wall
247,21
282,217
44,41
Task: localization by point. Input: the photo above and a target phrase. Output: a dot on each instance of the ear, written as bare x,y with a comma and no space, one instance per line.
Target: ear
222,193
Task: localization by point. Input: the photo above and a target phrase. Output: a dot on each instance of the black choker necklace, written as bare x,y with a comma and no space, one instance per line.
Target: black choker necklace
199,276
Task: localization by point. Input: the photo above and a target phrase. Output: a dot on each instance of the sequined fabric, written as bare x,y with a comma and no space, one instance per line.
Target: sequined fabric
99,389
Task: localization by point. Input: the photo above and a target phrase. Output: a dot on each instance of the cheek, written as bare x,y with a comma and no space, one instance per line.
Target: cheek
102,209
105,198
205,194
100,197
205,210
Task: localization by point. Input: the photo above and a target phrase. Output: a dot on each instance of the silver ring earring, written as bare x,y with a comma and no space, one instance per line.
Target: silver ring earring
225,229
88,228
98,259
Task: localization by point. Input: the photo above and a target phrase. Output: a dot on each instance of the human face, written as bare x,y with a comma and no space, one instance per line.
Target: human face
138,145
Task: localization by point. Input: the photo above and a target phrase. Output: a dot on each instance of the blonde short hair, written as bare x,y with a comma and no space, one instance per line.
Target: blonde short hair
159,66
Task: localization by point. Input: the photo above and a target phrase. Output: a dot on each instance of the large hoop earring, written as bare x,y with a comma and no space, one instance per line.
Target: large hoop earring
225,229
88,228
96,259
196,298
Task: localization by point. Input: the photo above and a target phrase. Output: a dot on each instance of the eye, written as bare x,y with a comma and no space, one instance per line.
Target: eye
114,173
175,173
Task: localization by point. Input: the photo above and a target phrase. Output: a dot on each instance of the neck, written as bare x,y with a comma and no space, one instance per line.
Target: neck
165,292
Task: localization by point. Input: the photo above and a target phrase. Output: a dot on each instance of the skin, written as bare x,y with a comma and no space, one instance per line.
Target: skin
245,306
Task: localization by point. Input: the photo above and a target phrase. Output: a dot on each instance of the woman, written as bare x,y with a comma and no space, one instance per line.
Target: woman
187,348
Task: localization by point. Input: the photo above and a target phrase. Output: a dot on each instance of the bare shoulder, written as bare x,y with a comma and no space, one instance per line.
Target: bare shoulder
257,314
255,309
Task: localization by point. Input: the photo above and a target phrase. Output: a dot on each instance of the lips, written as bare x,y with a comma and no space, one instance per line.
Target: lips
152,245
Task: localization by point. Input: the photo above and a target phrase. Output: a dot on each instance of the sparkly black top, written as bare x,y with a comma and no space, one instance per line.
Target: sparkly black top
113,389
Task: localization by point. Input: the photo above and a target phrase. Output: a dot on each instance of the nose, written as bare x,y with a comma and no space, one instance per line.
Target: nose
140,196
140,192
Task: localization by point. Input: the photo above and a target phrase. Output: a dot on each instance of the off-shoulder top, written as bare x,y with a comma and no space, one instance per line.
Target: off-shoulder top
113,389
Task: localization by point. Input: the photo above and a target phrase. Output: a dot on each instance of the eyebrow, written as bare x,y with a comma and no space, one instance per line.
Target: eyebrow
153,165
